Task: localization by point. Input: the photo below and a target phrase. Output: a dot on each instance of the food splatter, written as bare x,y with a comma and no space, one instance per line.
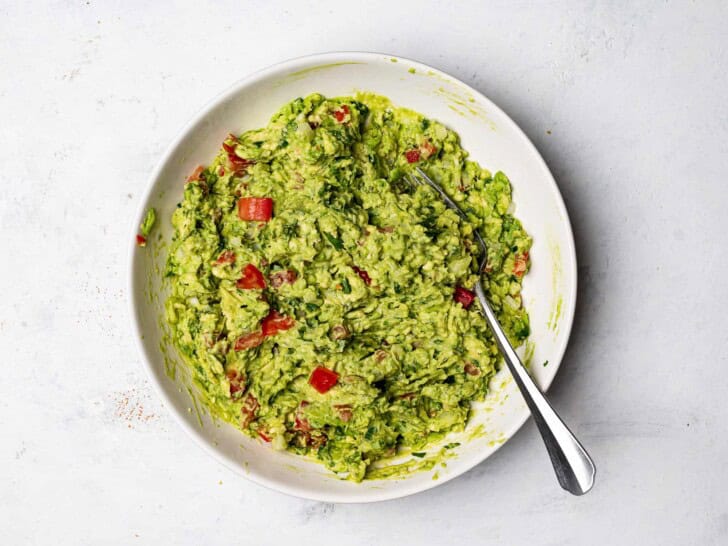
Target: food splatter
131,407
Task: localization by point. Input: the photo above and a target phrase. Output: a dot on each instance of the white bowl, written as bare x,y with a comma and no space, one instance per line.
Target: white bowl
491,137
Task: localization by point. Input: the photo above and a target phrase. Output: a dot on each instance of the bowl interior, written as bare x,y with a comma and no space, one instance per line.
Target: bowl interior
491,138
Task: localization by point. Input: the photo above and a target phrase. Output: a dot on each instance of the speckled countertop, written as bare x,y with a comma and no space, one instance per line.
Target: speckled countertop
626,101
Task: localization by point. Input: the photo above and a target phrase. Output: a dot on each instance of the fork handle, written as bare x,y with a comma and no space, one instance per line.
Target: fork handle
574,468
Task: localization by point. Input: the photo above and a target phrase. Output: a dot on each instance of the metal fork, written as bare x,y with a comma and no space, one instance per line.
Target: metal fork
574,468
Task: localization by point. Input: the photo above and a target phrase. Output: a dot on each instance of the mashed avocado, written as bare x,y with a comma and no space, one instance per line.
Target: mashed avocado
321,302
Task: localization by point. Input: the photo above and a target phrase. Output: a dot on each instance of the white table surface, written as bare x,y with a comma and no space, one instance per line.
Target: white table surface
628,106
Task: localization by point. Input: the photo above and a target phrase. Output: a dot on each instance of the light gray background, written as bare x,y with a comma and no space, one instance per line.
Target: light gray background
627,103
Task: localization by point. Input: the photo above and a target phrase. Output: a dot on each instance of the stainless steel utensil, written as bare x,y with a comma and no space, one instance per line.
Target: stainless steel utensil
574,468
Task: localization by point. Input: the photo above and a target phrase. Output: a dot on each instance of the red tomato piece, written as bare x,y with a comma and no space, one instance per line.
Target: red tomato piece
413,156
344,411
341,113
237,383
196,174
301,423
259,209
247,411
275,322
227,257
239,163
362,274
322,379
464,296
264,436
141,240
427,148
248,341
520,264
252,278
280,278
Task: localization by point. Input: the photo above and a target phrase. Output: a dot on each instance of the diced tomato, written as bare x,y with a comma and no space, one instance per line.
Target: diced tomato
322,379
362,274
280,278
259,209
252,278
520,264
413,156
250,403
248,341
141,240
341,113
301,423
227,257
275,322
250,406
221,171
427,149
317,439
196,173
344,411
464,296
237,383
238,163
264,436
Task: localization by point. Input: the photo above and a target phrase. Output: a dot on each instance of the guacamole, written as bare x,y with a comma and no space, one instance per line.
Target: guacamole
145,228
322,303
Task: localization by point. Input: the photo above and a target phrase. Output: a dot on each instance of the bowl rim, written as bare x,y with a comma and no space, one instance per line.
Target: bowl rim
288,66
